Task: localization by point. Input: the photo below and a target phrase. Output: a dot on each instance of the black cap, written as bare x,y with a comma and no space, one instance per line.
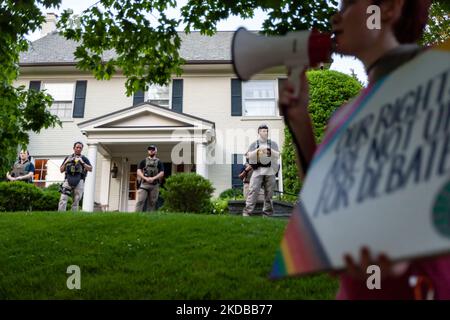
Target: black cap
152,147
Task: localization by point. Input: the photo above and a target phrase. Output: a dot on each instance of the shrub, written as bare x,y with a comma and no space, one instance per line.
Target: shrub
289,198
231,194
328,91
52,187
22,196
187,192
219,206
49,201
18,196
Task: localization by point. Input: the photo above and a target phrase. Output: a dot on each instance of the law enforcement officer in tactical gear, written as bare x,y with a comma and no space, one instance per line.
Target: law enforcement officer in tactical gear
75,167
263,156
150,172
23,169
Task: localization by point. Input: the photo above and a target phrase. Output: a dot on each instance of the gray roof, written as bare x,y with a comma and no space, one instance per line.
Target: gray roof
55,49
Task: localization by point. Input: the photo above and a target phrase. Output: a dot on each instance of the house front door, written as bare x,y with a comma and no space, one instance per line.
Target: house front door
132,188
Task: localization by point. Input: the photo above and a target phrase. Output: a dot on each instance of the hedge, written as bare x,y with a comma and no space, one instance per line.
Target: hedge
22,196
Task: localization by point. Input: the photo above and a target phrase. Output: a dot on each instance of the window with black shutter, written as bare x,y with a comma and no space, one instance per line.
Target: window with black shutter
138,97
177,95
236,168
80,99
236,97
35,85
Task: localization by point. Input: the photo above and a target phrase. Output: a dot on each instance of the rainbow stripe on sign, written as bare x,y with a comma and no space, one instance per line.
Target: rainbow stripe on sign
300,250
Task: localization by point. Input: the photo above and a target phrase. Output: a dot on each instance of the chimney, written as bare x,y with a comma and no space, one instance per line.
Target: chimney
49,25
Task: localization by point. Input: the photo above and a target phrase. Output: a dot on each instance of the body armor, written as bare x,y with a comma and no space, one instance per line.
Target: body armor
151,167
21,169
74,172
150,170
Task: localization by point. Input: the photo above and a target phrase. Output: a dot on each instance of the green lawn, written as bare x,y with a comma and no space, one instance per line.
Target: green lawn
146,256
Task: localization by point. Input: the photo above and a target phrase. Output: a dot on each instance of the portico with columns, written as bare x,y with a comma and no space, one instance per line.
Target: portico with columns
118,141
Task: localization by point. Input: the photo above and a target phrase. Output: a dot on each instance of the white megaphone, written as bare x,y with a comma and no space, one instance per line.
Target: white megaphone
252,53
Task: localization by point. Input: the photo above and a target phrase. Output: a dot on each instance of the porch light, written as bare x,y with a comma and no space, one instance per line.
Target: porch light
114,171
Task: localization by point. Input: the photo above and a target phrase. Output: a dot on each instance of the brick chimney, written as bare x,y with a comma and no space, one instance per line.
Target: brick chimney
49,25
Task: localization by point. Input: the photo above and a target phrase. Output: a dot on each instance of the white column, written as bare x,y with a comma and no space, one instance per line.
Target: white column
89,186
124,185
200,160
280,175
105,181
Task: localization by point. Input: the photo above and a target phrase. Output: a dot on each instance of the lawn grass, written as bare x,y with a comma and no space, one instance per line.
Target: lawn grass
146,256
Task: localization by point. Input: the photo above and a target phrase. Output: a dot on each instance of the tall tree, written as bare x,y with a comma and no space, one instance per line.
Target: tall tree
21,110
145,37
438,28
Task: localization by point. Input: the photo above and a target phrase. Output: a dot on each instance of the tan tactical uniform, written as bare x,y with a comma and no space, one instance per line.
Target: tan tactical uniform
262,177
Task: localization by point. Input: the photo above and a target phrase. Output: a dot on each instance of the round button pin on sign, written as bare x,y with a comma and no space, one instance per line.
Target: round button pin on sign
441,211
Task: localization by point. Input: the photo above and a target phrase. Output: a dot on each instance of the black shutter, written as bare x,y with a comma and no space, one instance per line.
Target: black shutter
281,82
177,95
35,85
80,99
236,168
138,97
236,97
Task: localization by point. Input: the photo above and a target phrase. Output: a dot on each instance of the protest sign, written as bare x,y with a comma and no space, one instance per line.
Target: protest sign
381,177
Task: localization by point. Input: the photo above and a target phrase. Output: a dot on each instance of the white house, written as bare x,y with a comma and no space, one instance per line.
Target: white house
203,121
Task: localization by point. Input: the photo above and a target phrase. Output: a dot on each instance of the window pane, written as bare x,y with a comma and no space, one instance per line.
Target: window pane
260,108
162,103
40,172
62,109
156,92
259,98
60,91
259,89
68,113
132,182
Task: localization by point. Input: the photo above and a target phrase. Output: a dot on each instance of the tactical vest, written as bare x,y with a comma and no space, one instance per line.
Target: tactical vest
74,172
21,169
151,167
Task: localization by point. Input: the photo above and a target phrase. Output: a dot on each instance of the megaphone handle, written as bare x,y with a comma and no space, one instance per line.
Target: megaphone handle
294,78
303,163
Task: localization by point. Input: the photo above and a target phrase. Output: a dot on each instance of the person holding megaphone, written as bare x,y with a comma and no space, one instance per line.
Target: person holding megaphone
382,51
